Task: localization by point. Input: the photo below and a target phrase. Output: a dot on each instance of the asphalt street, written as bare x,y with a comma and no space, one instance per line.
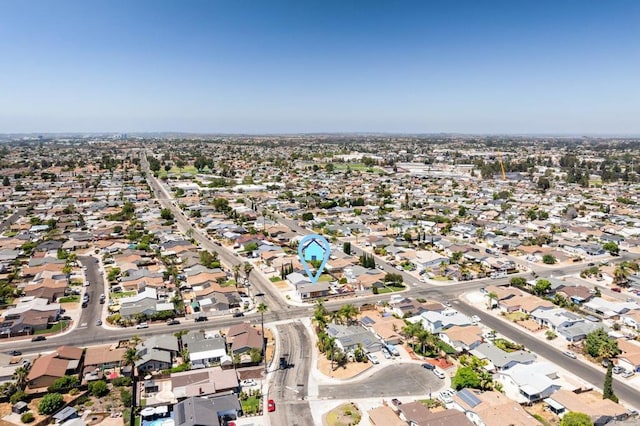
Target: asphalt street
289,385
393,380
592,374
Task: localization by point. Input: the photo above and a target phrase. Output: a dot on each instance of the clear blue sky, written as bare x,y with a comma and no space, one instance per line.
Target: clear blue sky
324,66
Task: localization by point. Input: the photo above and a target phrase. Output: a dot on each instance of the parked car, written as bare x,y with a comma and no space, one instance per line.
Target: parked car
200,319
569,354
628,374
617,369
428,366
271,406
617,289
99,323
373,359
248,382
173,322
396,402
445,396
142,325
38,339
238,314
386,354
438,373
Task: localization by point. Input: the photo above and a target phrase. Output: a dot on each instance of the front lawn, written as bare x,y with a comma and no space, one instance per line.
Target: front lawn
70,299
250,405
59,326
516,316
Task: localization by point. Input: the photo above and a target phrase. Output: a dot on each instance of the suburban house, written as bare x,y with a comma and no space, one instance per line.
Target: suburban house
384,416
204,382
349,337
197,411
387,328
462,338
66,360
555,319
203,350
437,321
243,337
501,360
534,382
308,291
490,408
601,411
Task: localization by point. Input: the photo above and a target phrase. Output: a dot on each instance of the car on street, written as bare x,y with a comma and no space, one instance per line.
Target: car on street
396,402
628,374
98,323
200,319
87,283
617,369
173,322
271,406
438,373
14,353
238,314
428,366
38,339
142,325
475,319
248,382
569,354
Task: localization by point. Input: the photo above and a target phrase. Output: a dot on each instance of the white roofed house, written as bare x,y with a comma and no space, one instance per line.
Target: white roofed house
436,321
609,309
529,383
204,351
555,319
462,338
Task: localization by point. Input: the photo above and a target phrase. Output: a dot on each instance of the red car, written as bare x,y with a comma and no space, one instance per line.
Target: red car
271,406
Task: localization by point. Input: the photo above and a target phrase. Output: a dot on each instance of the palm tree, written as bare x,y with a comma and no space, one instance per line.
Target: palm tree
320,315
620,275
247,269
349,312
236,273
492,296
262,308
130,357
20,376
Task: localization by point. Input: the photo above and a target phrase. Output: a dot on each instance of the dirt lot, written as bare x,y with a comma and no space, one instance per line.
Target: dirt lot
352,369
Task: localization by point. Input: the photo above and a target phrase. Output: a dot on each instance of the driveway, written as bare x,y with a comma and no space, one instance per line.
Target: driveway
394,380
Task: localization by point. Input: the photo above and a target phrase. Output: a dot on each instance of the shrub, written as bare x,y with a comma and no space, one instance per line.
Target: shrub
27,417
98,388
50,403
121,381
18,396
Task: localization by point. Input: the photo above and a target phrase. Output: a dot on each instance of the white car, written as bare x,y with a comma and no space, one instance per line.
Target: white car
475,318
87,283
142,325
569,354
248,383
438,373
373,359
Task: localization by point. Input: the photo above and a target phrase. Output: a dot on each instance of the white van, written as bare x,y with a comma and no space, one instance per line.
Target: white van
142,325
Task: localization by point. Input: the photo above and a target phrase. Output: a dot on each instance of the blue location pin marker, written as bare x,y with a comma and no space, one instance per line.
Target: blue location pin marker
311,248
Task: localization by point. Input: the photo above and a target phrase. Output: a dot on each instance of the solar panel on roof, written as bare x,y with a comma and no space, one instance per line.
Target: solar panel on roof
468,397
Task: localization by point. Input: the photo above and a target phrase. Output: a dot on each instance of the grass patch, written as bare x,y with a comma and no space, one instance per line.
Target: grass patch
541,419
440,278
506,345
430,403
229,283
344,415
396,288
275,279
70,299
516,316
123,294
448,349
250,405
384,290
324,278
59,326
357,167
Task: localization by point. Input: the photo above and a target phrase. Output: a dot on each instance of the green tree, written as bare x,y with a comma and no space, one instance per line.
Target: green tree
598,344
541,287
346,247
27,417
64,384
611,247
307,216
247,268
548,259
98,388
166,214
465,377
518,282
573,418
607,389
492,295
262,308
50,403
5,181
20,375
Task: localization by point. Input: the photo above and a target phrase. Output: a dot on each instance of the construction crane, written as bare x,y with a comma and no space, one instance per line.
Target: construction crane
504,175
